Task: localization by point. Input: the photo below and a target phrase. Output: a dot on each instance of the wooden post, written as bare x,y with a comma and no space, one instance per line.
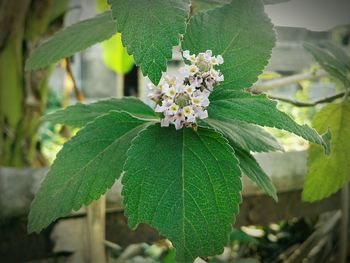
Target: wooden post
120,86
96,212
343,234
96,219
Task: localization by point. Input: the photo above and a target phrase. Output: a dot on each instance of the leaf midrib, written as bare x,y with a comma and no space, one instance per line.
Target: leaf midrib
183,186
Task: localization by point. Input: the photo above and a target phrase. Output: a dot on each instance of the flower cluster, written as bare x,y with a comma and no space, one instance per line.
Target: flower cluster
183,100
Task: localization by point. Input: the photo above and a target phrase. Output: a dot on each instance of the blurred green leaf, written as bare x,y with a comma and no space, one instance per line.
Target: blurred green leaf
115,55
332,59
327,174
338,52
70,40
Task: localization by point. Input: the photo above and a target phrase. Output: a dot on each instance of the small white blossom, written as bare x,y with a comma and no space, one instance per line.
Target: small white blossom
201,114
188,111
201,58
179,120
189,70
189,90
220,59
196,81
173,109
170,92
186,54
182,101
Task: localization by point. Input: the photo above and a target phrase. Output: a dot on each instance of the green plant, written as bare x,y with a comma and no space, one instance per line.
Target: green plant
187,182
327,174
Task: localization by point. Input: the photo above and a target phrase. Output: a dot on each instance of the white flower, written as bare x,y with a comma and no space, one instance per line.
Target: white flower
164,107
200,113
188,111
191,70
213,61
155,93
186,54
170,92
201,58
220,78
182,101
201,99
208,54
220,59
179,120
163,86
209,83
189,90
216,75
196,81
166,121
173,109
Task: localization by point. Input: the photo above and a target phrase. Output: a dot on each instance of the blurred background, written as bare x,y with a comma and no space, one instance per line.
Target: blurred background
265,231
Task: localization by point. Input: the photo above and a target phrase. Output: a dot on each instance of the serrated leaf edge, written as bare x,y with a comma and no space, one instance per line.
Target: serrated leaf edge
234,216
38,230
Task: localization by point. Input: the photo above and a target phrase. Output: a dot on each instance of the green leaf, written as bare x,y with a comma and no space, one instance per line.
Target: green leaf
272,2
339,53
72,39
228,105
241,32
149,30
205,5
331,59
79,114
247,136
102,5
252,169
327,174
85,168
186,184
115,55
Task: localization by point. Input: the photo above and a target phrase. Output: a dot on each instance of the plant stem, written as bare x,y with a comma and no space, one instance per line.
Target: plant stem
285,81
310,104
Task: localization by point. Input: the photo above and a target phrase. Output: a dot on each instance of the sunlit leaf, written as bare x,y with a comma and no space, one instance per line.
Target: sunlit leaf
327,174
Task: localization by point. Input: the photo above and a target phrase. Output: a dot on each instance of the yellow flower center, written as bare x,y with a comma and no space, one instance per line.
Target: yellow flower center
196,101
174,108
172,93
